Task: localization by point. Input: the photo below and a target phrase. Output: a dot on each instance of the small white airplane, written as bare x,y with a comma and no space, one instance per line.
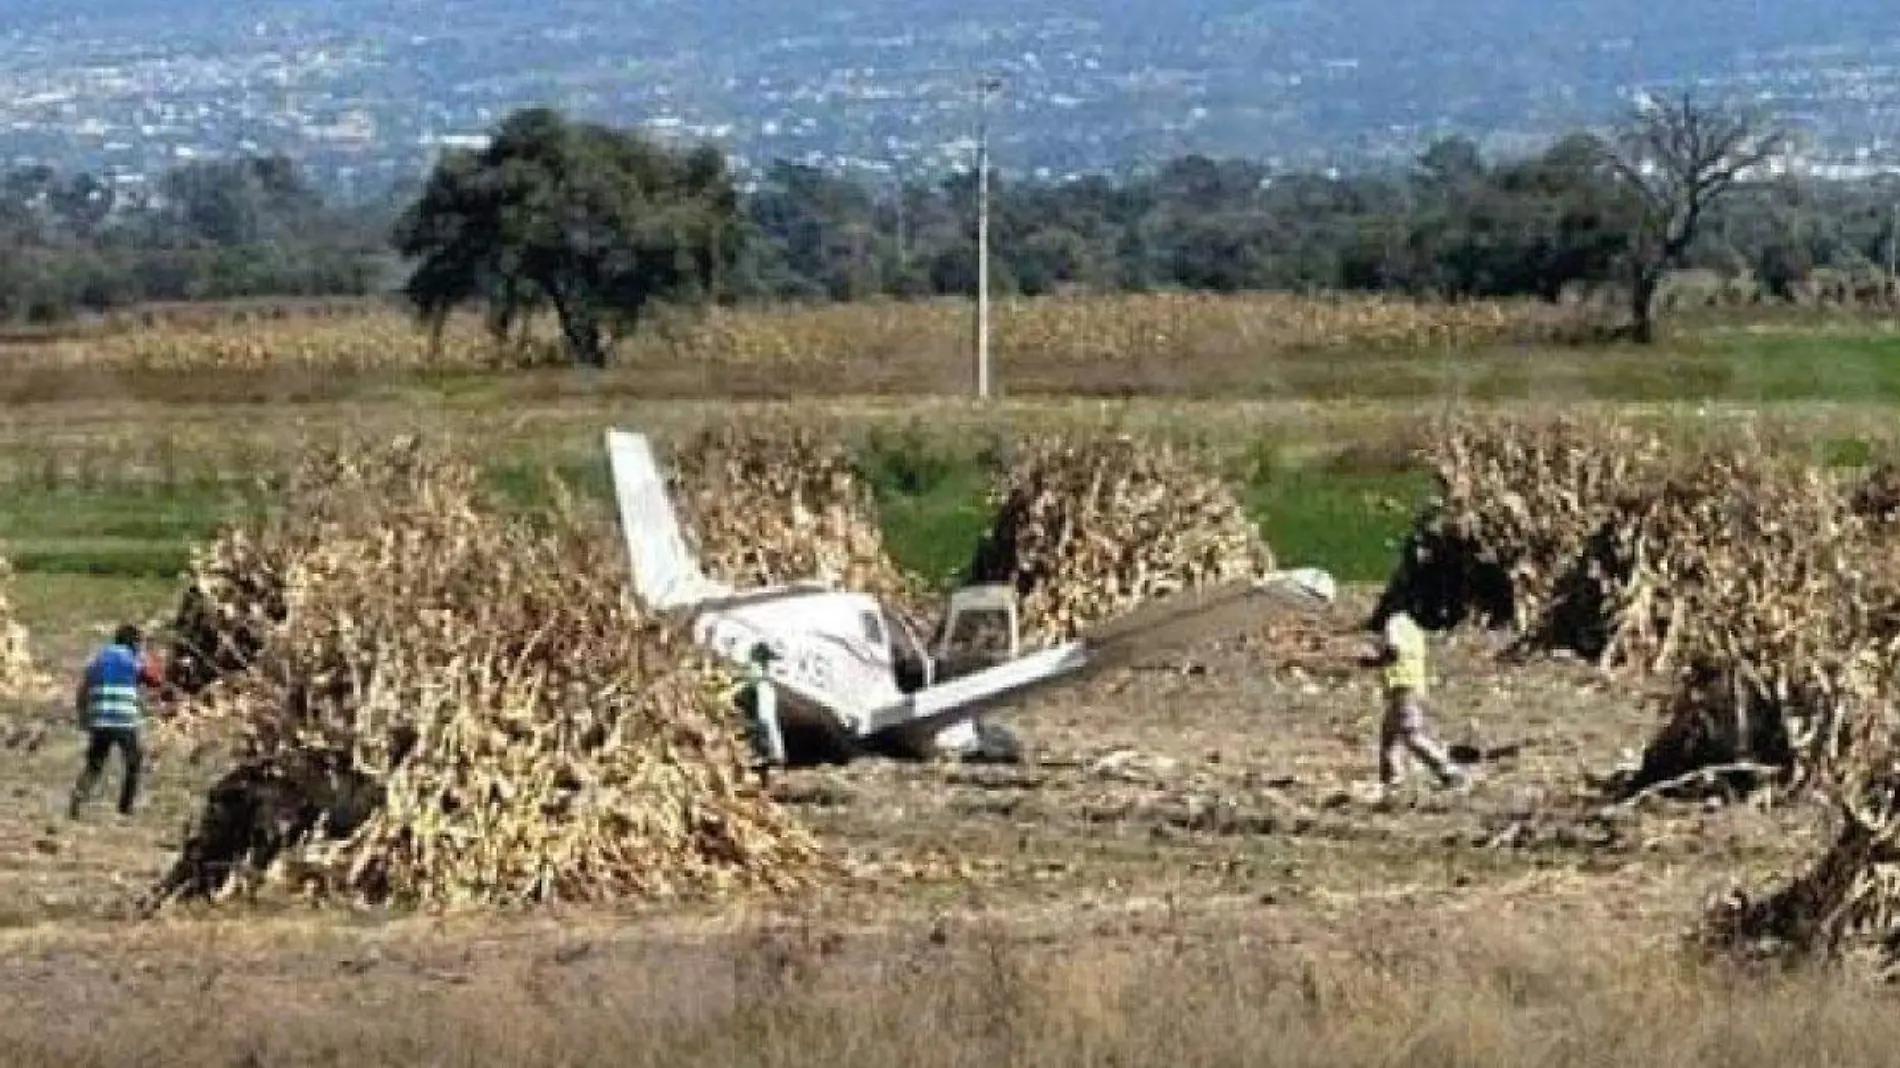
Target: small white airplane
853,678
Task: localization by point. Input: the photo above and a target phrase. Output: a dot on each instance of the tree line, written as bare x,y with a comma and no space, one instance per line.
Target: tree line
206,230
593,224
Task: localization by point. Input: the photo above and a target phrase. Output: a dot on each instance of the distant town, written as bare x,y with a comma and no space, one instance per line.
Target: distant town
365,96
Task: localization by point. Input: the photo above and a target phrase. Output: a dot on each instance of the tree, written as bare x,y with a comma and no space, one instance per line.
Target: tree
1783,265
818,229
1575,229
1679,160
245,201
1451,163
593,222
83,203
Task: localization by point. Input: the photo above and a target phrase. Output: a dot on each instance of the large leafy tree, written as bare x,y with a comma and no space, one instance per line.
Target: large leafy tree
592,222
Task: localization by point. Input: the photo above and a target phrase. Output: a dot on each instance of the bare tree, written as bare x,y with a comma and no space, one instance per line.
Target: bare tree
1679,159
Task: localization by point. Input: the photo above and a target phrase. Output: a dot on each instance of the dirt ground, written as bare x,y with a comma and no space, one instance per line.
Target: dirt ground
1220,795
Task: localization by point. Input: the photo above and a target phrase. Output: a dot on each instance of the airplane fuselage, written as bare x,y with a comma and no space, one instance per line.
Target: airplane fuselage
834,645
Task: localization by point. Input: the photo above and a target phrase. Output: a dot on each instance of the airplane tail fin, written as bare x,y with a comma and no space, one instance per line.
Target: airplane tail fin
665,574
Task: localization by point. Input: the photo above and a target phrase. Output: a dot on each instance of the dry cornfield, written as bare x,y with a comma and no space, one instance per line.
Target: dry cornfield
373,340
1718,565
1237,785
1763,593
462,708
351,705
1665,544
1877,497
1089,528
368,342
1121,329
436,705
1141,329
760,506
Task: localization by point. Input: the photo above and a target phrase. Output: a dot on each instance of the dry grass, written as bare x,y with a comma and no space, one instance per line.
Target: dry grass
972,997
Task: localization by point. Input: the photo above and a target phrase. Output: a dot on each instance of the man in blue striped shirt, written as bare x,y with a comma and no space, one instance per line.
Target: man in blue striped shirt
111,709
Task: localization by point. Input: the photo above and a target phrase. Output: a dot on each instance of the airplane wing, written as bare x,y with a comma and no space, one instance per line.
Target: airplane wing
1195,617
1156,627
665,574
944,704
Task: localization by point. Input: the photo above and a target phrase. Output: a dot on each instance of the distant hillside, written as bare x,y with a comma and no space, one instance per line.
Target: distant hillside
886,83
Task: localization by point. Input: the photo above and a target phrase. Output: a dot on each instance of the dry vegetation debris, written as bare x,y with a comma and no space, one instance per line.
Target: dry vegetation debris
1781,641
20,675
436,703
1517,500
463,707
1754,588
1089,528
443,705
1845,903
1672,545
235,590
766,505
1762,594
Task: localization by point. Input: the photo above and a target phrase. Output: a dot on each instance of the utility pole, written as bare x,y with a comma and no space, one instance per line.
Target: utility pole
1893,243
903,245
985,87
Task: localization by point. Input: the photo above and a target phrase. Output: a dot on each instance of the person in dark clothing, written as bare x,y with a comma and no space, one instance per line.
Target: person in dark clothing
110,708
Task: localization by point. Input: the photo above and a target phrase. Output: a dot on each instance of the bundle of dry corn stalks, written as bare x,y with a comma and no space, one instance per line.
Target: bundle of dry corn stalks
1780,631
459,708
20,677
1667,552
1844,904
1515,505
1088,529
764,506
234,595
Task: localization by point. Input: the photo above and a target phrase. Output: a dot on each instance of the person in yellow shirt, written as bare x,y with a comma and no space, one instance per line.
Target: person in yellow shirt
1401,660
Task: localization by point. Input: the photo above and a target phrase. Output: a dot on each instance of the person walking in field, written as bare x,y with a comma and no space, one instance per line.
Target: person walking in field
111,710
1403,731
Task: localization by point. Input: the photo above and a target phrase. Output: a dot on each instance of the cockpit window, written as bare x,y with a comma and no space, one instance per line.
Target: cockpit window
873,628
